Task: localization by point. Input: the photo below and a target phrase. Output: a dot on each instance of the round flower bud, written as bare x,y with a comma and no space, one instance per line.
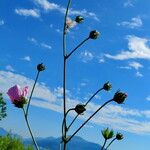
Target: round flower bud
79,109
119,136
79,19
120,97
107,134
40,67
107,86
94,34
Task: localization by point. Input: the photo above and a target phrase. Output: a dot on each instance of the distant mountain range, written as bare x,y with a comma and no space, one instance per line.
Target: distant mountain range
51,143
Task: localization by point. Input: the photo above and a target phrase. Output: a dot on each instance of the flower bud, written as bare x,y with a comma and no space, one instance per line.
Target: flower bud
94,34
40,67
120,97
107,134
79,19
107,86
79,109
20,103
18,95
119,136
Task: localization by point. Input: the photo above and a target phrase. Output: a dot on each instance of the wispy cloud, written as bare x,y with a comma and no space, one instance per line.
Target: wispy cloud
37,43
148,98
2,22
128,3
139,74
28,12
135,22
46,46
120,118
33,40
10,68
138,49
26,58
49,6
86,56
135,65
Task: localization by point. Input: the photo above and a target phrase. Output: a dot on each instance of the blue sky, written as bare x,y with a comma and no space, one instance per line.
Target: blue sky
31,33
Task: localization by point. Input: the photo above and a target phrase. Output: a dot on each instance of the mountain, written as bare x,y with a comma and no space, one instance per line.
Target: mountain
77,143
51,143
2,132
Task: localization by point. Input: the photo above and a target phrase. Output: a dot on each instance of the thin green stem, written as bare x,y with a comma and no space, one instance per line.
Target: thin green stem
77,47
64,74
64,29
104,144
64,120
89,119
72,121
29,128
84,105
27,109
93,96
110,143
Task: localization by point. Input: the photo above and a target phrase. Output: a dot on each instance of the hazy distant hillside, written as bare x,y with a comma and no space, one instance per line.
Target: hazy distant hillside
50,143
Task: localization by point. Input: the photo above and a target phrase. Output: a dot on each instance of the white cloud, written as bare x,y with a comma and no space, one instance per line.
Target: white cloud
10,68
139,74
46,46
48,6
148,98
42,44
26,58
138,49
125,67
118,117
2,22
28,12
135,65
86,56
32,40
128,3
135,22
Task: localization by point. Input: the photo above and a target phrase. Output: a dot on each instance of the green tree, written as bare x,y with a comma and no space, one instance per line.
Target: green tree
2,107
10,142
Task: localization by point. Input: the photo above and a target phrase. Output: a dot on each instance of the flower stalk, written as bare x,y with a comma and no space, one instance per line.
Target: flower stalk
29,128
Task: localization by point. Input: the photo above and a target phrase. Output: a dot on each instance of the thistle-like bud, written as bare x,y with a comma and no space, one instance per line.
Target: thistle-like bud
40,67
107,86
120,97
107,134
80,108
79,19
94,34
119,136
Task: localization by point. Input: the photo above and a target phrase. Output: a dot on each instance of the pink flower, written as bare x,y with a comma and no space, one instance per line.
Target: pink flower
18,95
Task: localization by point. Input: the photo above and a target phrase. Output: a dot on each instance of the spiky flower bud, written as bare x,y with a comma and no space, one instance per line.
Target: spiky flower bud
79,19
94,34
119,136
107,86
120,97
40,67
80,108
107,134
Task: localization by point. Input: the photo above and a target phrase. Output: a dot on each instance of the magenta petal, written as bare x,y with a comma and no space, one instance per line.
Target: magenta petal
15,93
25,91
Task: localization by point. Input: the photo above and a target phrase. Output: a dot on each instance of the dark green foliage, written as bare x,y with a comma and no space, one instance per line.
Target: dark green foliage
2,107
10,142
